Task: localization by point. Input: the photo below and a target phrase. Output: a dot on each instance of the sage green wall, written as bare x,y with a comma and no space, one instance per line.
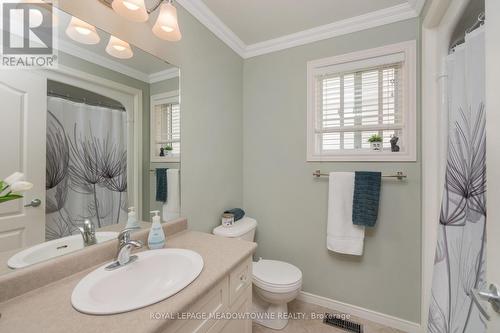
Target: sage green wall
291,206
211,116
164,86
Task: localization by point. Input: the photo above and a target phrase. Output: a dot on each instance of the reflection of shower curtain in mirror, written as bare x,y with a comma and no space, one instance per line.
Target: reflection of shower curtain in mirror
86,166
459,264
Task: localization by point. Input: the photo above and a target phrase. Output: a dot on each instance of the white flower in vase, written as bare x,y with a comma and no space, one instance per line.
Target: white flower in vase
13,186
21,186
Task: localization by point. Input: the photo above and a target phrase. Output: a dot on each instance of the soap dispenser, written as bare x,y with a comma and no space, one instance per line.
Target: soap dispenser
156,238
132,222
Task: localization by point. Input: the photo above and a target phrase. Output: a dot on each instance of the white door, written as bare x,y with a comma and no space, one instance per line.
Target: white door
493,150
23,111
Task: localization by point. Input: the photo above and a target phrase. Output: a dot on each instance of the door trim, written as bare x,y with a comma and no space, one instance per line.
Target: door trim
438,25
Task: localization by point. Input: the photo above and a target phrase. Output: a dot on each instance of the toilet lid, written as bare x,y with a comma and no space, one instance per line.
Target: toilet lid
277,273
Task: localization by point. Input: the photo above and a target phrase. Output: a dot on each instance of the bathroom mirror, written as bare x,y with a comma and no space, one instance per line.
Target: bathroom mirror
82,134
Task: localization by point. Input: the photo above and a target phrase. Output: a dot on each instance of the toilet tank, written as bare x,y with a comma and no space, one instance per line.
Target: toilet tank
243,229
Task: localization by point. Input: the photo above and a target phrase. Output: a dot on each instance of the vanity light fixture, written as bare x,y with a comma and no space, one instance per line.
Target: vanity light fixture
166,26
119,48
82,32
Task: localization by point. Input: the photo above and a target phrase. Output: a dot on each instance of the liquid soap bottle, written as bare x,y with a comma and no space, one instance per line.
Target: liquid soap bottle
156,238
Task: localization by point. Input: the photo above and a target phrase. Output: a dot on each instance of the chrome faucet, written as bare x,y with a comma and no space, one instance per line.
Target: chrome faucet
88,233
125,246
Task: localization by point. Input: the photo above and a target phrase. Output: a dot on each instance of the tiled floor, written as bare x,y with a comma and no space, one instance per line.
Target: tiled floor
316,325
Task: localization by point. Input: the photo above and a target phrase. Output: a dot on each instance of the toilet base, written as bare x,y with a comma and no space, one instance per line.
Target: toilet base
273,316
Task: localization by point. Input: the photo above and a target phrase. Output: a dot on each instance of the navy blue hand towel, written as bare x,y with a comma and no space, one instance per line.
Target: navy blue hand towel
161,184
366,198
237,212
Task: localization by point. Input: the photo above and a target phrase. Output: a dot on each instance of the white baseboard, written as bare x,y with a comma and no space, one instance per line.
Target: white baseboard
377,317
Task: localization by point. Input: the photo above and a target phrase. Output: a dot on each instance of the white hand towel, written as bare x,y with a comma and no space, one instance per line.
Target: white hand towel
342,235
172,208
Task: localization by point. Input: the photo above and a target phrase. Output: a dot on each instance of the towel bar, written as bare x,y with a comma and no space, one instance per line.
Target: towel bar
399,175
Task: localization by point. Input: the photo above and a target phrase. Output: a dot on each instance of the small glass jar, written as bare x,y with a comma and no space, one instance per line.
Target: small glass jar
227,220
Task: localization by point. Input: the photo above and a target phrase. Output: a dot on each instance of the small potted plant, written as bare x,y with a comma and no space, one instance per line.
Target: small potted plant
12,187
168,149
375,142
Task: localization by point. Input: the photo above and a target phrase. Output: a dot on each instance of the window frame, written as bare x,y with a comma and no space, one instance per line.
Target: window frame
360,60
170,97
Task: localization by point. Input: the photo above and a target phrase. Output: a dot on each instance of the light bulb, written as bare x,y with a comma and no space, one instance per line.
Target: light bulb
133,10
130,5
167,26
119,48
82,32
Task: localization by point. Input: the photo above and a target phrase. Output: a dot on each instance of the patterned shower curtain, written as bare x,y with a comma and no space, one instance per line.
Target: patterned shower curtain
86,175
459,264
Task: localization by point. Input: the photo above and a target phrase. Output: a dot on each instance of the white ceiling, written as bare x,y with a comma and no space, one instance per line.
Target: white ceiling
255,21
256,27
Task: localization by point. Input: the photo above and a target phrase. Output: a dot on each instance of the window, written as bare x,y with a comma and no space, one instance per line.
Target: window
354,96
165,128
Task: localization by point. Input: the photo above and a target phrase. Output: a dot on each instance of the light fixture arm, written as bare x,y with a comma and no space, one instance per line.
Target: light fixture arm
158,4
166,26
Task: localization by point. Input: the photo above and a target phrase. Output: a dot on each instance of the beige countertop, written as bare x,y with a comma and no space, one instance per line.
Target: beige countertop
48,309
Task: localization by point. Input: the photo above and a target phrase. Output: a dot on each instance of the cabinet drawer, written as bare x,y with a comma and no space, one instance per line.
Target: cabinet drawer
215,301
242,306
239,279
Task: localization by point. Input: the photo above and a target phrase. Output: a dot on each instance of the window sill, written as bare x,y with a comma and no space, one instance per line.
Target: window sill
166,159
369,156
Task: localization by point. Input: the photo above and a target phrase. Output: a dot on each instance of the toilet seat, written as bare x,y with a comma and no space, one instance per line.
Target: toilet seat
276,276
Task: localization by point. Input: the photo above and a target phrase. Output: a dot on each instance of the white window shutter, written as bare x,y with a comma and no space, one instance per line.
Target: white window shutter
354,96
353,106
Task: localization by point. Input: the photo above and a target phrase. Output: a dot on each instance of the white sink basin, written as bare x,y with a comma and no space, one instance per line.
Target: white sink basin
54,248
153,277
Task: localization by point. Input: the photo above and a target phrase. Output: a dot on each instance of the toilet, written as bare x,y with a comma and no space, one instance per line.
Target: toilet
275,283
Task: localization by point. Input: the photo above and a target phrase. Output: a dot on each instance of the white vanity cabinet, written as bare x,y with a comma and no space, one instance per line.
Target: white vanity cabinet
232,296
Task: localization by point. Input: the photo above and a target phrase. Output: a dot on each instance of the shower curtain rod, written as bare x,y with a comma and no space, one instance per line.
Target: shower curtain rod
84,101
479,22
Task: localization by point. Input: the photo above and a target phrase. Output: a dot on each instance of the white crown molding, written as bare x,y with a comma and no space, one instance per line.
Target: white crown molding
203,14
343,27
166,74
377,18
377,317
105,62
